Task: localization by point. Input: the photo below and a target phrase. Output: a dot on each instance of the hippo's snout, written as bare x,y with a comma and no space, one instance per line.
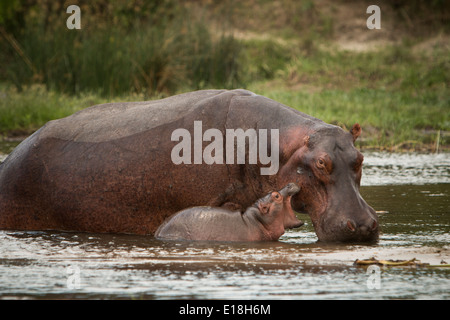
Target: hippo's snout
369,226
361,226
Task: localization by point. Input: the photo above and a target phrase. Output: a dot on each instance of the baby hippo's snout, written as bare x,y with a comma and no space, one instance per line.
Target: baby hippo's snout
290,190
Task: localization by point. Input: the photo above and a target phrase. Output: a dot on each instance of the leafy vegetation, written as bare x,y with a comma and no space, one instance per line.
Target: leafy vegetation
285,50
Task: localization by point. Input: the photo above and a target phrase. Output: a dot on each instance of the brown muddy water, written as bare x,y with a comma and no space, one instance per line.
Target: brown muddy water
411,193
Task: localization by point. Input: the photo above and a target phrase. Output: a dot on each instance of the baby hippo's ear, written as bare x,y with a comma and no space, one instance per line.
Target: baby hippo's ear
263,208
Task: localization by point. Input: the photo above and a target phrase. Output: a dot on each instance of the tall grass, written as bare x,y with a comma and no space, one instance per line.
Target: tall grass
131,53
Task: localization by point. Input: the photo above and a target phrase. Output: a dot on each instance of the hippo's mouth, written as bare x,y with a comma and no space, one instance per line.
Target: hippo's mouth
297,223
291,221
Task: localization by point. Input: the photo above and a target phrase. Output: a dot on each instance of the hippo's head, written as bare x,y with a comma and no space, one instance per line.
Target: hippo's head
328,168
276,206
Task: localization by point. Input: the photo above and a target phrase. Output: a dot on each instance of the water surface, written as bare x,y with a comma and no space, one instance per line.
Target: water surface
410,192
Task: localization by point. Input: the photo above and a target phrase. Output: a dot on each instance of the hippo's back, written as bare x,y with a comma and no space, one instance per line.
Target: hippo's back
112,121
103,168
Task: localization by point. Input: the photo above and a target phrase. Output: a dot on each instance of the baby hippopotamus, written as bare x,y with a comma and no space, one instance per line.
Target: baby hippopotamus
263,221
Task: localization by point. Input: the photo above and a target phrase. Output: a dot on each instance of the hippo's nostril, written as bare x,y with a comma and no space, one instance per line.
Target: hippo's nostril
351,225
374,225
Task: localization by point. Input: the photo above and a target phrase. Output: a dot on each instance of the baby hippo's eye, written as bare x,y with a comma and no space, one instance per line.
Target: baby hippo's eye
276,196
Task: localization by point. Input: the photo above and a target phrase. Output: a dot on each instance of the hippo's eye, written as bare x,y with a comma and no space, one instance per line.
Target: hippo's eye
324,163
299,170
321,163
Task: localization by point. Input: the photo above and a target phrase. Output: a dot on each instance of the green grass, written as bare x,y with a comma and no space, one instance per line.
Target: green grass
141,51
388,119
24,112
400,97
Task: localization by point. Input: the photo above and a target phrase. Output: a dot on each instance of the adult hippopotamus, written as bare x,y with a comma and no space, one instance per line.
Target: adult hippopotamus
111,167
263,221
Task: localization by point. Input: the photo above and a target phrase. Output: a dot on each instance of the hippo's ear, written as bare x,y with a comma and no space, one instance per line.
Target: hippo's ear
355,131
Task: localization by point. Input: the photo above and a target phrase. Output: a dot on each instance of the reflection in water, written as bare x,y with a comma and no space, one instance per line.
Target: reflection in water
415,224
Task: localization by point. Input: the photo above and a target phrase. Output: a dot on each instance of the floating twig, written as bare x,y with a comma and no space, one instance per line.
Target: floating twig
398,263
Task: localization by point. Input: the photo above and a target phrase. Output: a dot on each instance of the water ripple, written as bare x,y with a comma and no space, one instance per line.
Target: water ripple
381,168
